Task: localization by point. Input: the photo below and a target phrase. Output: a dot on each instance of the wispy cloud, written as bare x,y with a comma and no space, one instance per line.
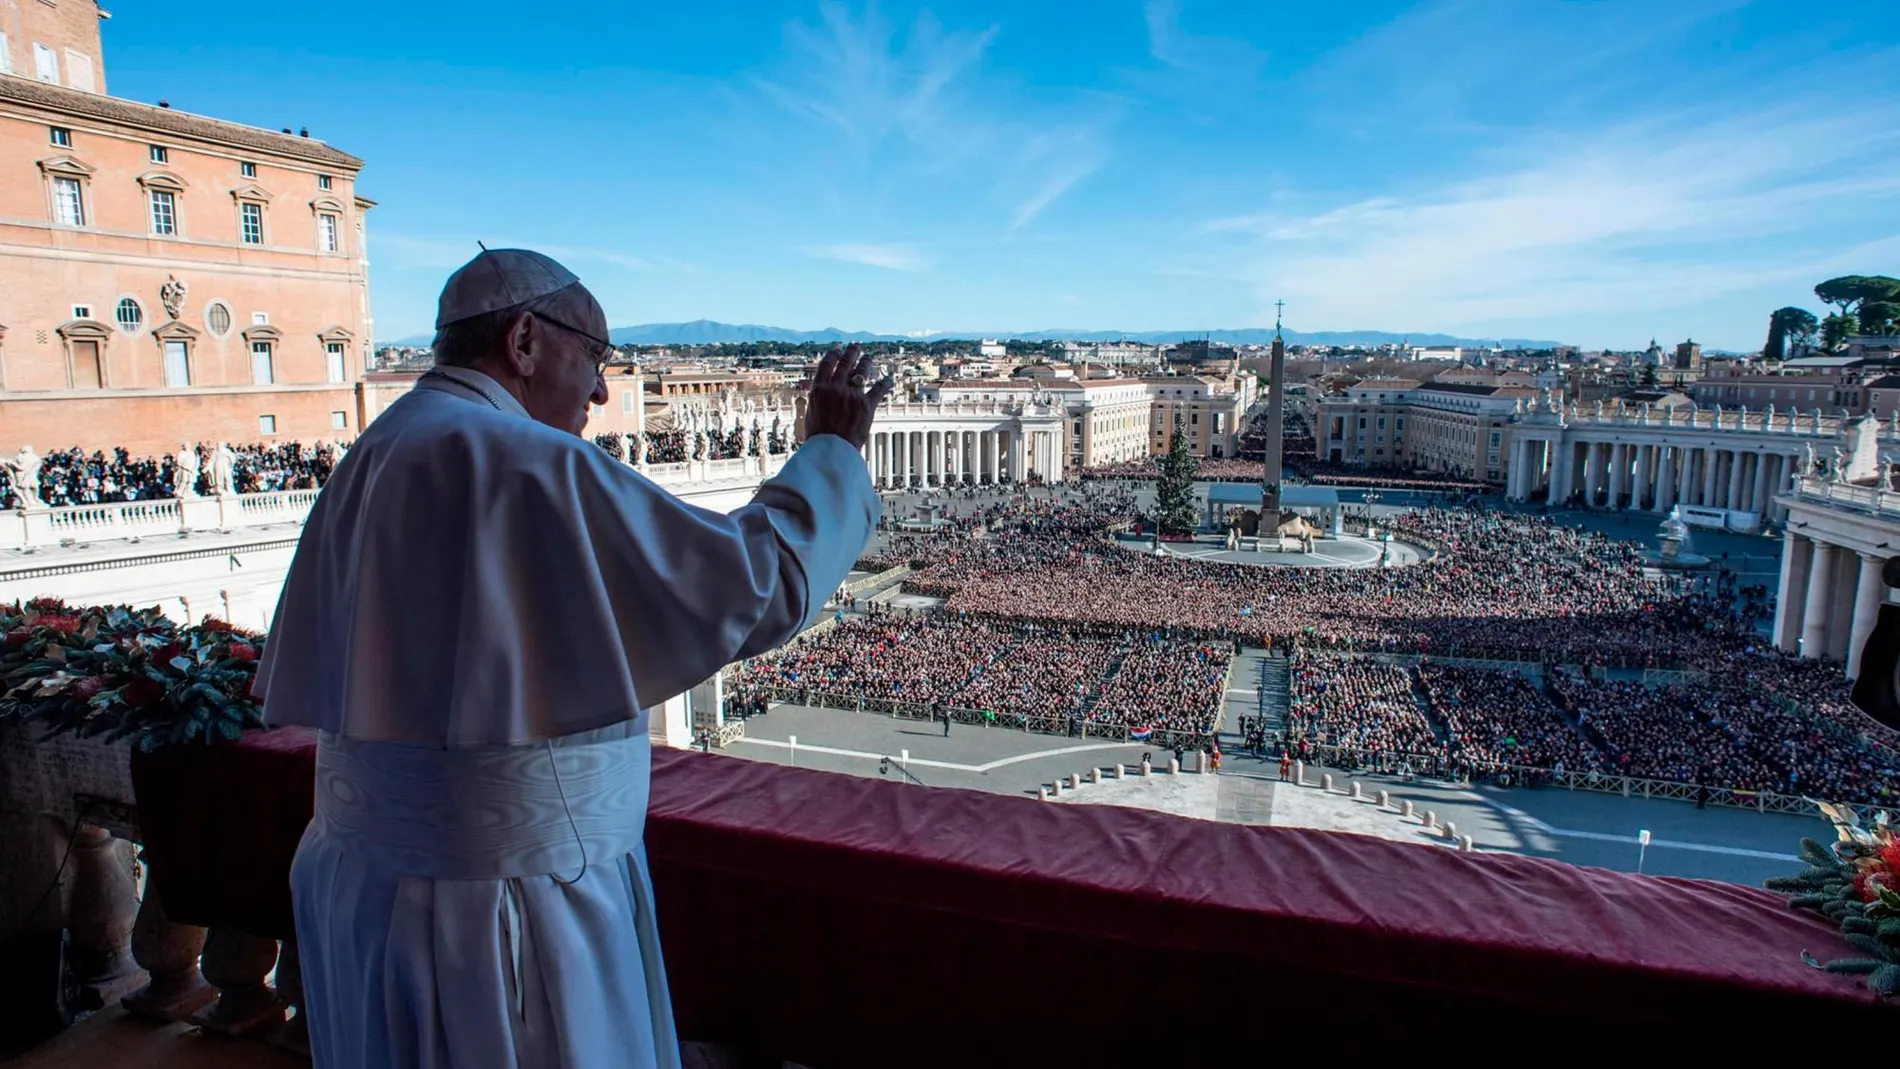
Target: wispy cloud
889,257
406,251
1641,216
1170,44
919,104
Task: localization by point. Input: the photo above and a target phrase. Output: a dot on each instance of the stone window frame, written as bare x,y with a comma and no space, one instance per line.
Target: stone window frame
252,193
320,207
230,317
267,334
179,331
66,165
84,330
136,303
336,335
163,181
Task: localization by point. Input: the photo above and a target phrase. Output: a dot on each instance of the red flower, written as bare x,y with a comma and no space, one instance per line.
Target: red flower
166,653
141,692
244,651
64,624
44,604
19,636
88,688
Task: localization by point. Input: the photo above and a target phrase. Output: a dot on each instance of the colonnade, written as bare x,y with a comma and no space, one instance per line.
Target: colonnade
1829,600
935,457
1652,476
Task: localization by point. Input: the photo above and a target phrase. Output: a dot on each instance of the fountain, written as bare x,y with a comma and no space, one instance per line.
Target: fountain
1676,553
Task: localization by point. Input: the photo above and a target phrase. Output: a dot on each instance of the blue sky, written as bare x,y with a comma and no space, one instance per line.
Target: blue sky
1590,170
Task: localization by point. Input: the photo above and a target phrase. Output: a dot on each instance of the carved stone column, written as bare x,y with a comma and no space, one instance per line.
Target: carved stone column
168,952
100,915
236,964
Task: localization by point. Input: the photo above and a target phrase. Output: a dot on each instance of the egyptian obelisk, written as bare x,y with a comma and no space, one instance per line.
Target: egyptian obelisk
1276,428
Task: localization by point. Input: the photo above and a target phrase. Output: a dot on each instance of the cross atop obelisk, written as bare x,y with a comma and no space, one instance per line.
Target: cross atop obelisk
1270,476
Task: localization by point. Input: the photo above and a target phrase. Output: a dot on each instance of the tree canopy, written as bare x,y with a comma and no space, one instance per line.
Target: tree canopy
1872,301
1785,326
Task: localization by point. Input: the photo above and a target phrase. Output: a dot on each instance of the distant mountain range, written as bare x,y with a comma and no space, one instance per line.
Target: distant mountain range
711,332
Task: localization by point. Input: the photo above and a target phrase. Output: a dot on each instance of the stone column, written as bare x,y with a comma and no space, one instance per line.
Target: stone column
1708,477
1870,592
1814,610
1758,493
1840,604
1666,458
1590,478
1791,593
1734,480
1553,494
989,456
1619,473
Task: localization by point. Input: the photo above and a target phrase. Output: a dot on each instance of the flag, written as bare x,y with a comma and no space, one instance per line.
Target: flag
1141,733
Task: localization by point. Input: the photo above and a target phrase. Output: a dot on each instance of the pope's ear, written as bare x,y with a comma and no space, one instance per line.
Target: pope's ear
517,345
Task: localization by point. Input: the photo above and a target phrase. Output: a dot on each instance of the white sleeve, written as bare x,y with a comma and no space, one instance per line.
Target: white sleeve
693,590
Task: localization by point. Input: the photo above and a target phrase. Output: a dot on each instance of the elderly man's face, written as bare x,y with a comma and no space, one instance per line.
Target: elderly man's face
569,362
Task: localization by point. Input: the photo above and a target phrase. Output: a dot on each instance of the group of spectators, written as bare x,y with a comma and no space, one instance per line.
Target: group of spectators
677,446
1010,672
76,477
1494,586
1375,476
1737,732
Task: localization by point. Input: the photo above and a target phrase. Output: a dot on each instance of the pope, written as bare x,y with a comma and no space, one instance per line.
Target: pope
482,608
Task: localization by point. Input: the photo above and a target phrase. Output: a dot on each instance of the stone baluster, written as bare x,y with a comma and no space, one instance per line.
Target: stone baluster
100,915
236,964
168,952
294,1035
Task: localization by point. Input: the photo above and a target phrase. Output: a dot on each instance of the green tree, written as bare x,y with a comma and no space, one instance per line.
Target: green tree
1174,491
1787,325
1869,303
1649,374
1837,328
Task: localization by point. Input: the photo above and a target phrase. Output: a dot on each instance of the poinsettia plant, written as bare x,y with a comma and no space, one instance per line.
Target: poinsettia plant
1854,882
117,673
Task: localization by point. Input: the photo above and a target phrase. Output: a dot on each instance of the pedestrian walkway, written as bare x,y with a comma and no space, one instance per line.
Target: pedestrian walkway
1257,688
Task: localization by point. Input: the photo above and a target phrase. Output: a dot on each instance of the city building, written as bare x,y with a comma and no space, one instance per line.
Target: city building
1839,537
165,277
1832,383
1457,428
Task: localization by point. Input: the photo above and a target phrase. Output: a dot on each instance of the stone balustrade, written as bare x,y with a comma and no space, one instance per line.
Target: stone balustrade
1809,424
45,527
79,795
1871,499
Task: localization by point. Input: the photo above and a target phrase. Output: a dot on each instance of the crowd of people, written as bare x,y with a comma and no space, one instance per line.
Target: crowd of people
1375,476
1493,585
676,446
1015,673
76,477
1737,732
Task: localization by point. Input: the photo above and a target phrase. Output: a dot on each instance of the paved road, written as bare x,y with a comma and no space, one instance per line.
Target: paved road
1734,845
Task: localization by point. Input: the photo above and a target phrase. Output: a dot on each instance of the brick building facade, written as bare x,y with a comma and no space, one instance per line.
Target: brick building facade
165,277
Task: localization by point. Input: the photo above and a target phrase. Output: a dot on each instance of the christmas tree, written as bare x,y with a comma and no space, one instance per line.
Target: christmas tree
1174,491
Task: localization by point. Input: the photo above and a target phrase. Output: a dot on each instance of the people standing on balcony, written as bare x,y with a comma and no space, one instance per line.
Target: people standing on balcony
482,608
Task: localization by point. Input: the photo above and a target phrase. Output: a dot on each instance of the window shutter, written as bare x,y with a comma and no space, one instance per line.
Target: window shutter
45,64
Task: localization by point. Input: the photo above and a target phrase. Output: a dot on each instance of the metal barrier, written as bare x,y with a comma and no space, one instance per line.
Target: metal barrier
1430,766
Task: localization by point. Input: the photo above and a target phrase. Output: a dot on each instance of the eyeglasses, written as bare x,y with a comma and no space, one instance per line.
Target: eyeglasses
600,358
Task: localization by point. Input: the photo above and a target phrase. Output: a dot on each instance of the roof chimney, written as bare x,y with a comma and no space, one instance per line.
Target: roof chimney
163,103
305,132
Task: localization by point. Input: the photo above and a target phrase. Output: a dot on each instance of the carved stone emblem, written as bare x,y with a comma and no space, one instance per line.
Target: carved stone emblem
172,296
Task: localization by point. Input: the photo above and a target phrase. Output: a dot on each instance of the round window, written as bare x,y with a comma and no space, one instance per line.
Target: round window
218,318
129,315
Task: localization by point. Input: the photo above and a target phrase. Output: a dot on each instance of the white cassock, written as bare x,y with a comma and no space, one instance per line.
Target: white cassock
480,611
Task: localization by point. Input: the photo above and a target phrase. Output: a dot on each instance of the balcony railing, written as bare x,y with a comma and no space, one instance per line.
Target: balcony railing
44,528
1871,499
841,921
